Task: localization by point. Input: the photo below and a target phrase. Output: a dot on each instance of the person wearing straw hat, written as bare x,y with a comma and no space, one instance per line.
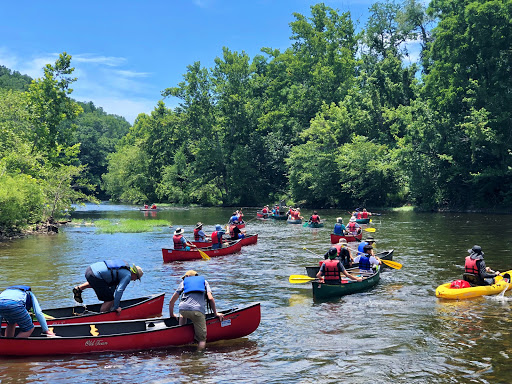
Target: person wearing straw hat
196,295
339,227
199,234
353,228
179,240
108,279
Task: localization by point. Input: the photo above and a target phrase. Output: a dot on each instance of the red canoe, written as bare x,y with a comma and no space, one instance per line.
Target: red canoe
182,255
247,240
139,308
130,335
350,238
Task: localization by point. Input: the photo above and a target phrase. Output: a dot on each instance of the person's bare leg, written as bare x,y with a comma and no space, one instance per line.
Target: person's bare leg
201,345
26,333
106,306
9,330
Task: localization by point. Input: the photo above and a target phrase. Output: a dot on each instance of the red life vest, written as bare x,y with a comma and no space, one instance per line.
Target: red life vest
365,215
338,248
264,210
352,226
359,215
232,231
215,238
315,218
471,266
177,242
196,234
331,270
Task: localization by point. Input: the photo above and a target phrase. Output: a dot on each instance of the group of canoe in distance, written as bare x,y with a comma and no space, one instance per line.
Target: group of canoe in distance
138,327
205,248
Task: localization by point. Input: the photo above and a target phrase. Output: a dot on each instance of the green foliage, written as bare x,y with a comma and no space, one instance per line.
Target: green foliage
21,201
129,226
13,80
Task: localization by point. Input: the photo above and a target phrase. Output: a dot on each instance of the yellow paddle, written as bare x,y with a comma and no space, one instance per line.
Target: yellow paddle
301,279
369,229
392,264
203,255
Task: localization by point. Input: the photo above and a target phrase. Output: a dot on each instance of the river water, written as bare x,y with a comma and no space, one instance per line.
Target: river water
397,332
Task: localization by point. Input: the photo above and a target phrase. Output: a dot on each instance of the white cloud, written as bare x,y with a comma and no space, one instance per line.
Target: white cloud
101,79
88,58
132,73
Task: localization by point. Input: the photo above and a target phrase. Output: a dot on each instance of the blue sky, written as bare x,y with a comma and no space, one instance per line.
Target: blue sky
126,52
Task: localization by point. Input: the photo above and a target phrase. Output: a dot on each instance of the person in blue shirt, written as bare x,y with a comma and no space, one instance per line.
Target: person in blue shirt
15,302
109,279
339,227
368,241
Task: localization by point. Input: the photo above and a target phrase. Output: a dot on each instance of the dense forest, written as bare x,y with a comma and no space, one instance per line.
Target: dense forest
345,116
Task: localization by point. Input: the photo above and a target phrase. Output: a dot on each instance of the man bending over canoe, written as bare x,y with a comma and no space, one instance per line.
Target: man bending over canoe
109,279
196,291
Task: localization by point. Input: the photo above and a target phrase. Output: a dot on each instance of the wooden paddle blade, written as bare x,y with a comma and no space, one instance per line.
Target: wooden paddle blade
392,264
370,229
300,279
203,255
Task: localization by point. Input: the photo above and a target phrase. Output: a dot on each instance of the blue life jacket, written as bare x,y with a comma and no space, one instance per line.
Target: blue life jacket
337,229
364,262
27,290
194,284
115,265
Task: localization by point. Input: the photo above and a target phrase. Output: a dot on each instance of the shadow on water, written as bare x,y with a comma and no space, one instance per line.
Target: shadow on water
395,332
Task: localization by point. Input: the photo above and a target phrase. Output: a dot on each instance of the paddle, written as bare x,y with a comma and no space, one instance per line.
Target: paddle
305,224
370,229
392,264
203,255
301,279
316,254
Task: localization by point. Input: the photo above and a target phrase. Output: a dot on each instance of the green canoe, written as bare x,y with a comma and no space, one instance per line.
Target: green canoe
326,291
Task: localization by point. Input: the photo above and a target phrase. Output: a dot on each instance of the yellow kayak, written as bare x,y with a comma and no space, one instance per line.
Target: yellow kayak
444,291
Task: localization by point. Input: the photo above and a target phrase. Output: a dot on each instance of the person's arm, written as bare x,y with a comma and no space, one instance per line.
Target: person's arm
350,276
40,315
214,308
483,270
174,298
320,273
123,283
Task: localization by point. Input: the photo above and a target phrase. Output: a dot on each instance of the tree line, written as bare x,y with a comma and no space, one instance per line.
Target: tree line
345,116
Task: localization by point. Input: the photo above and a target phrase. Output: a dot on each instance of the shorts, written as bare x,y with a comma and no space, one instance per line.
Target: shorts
15,312
199,321
102,289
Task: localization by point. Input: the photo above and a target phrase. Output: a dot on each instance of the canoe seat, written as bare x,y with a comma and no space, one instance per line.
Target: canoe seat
157,324
471,279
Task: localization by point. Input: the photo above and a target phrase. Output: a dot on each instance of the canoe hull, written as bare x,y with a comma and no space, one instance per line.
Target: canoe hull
385,255
445,292
350,238
140,308
362,221
280,217
131,335
298,221
326,291
315,225
247,240
261,215
170,255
